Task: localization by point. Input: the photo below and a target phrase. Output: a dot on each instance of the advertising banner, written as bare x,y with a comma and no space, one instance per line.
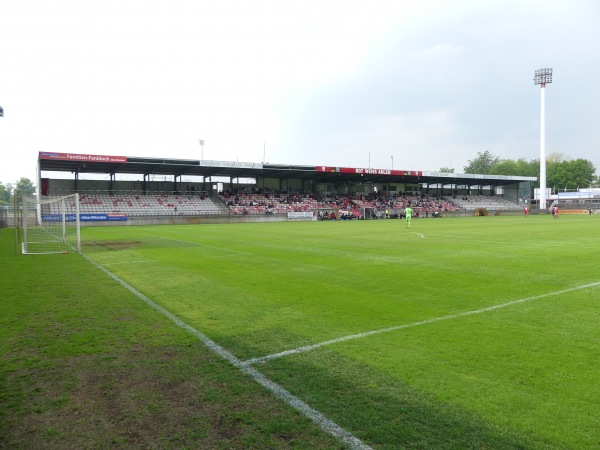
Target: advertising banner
359,171
83,158
101,217
83,217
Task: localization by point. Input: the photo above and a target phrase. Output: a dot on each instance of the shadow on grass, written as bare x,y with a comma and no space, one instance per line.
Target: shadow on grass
385,413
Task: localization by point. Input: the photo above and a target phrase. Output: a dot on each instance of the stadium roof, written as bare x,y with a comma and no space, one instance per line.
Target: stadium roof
104,164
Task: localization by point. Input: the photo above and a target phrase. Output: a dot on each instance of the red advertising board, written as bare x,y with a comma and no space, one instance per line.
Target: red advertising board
82,157
353,170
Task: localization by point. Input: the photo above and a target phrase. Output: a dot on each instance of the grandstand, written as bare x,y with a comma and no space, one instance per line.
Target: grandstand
477,202
149,205
277,203
242,204
422,204
131,190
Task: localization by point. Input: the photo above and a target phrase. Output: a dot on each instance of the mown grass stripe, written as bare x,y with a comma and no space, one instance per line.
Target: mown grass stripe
308,348
315,416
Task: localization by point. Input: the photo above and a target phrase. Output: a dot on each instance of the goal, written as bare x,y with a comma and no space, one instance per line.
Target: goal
50,224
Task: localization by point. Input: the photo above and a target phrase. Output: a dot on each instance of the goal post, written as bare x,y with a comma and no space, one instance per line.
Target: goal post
50,224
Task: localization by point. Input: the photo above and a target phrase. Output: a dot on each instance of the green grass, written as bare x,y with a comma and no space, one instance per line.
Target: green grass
520,376
85,364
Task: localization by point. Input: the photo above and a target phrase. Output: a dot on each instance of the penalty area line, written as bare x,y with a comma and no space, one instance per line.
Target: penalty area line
308,348
315,416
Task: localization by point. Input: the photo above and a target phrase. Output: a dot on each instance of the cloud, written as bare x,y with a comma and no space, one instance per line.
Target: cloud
314,83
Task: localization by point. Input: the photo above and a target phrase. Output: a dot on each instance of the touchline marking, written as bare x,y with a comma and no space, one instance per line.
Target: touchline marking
199,245
318,418
308,348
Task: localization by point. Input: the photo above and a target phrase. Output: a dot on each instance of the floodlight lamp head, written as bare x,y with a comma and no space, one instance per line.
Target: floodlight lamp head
542,76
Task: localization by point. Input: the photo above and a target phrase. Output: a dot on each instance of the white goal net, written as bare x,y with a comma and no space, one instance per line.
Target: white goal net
50,224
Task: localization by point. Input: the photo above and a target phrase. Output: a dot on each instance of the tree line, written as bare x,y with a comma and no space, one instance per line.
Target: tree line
561,173
24,186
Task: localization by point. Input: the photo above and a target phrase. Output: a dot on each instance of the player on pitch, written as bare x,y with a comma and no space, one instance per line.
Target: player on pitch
408,213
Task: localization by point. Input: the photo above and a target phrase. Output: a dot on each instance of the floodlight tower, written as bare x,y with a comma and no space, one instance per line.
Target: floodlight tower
201,142
543,76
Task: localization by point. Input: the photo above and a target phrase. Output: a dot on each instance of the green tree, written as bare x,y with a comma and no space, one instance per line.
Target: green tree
561,172
528,168
570,175
25,186
483,164
504,167
5,194
519,168
446,170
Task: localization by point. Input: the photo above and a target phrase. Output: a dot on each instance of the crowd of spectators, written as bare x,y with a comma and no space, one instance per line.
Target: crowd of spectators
269,202
326,206
260,201
393,205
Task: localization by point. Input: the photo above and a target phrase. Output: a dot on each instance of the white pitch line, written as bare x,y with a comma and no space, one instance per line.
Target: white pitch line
199,244
318,418
308,348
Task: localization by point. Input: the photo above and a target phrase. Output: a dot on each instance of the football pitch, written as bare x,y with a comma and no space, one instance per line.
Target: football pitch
477,332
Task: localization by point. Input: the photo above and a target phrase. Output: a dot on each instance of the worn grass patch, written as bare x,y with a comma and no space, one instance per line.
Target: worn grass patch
85,364
109,245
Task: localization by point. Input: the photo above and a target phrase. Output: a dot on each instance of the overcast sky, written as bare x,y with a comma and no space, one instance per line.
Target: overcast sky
420,84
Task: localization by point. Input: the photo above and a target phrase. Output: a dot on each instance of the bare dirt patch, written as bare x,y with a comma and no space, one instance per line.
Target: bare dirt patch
148,398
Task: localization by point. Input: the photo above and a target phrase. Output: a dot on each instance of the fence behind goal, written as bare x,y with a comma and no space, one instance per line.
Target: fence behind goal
50,225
